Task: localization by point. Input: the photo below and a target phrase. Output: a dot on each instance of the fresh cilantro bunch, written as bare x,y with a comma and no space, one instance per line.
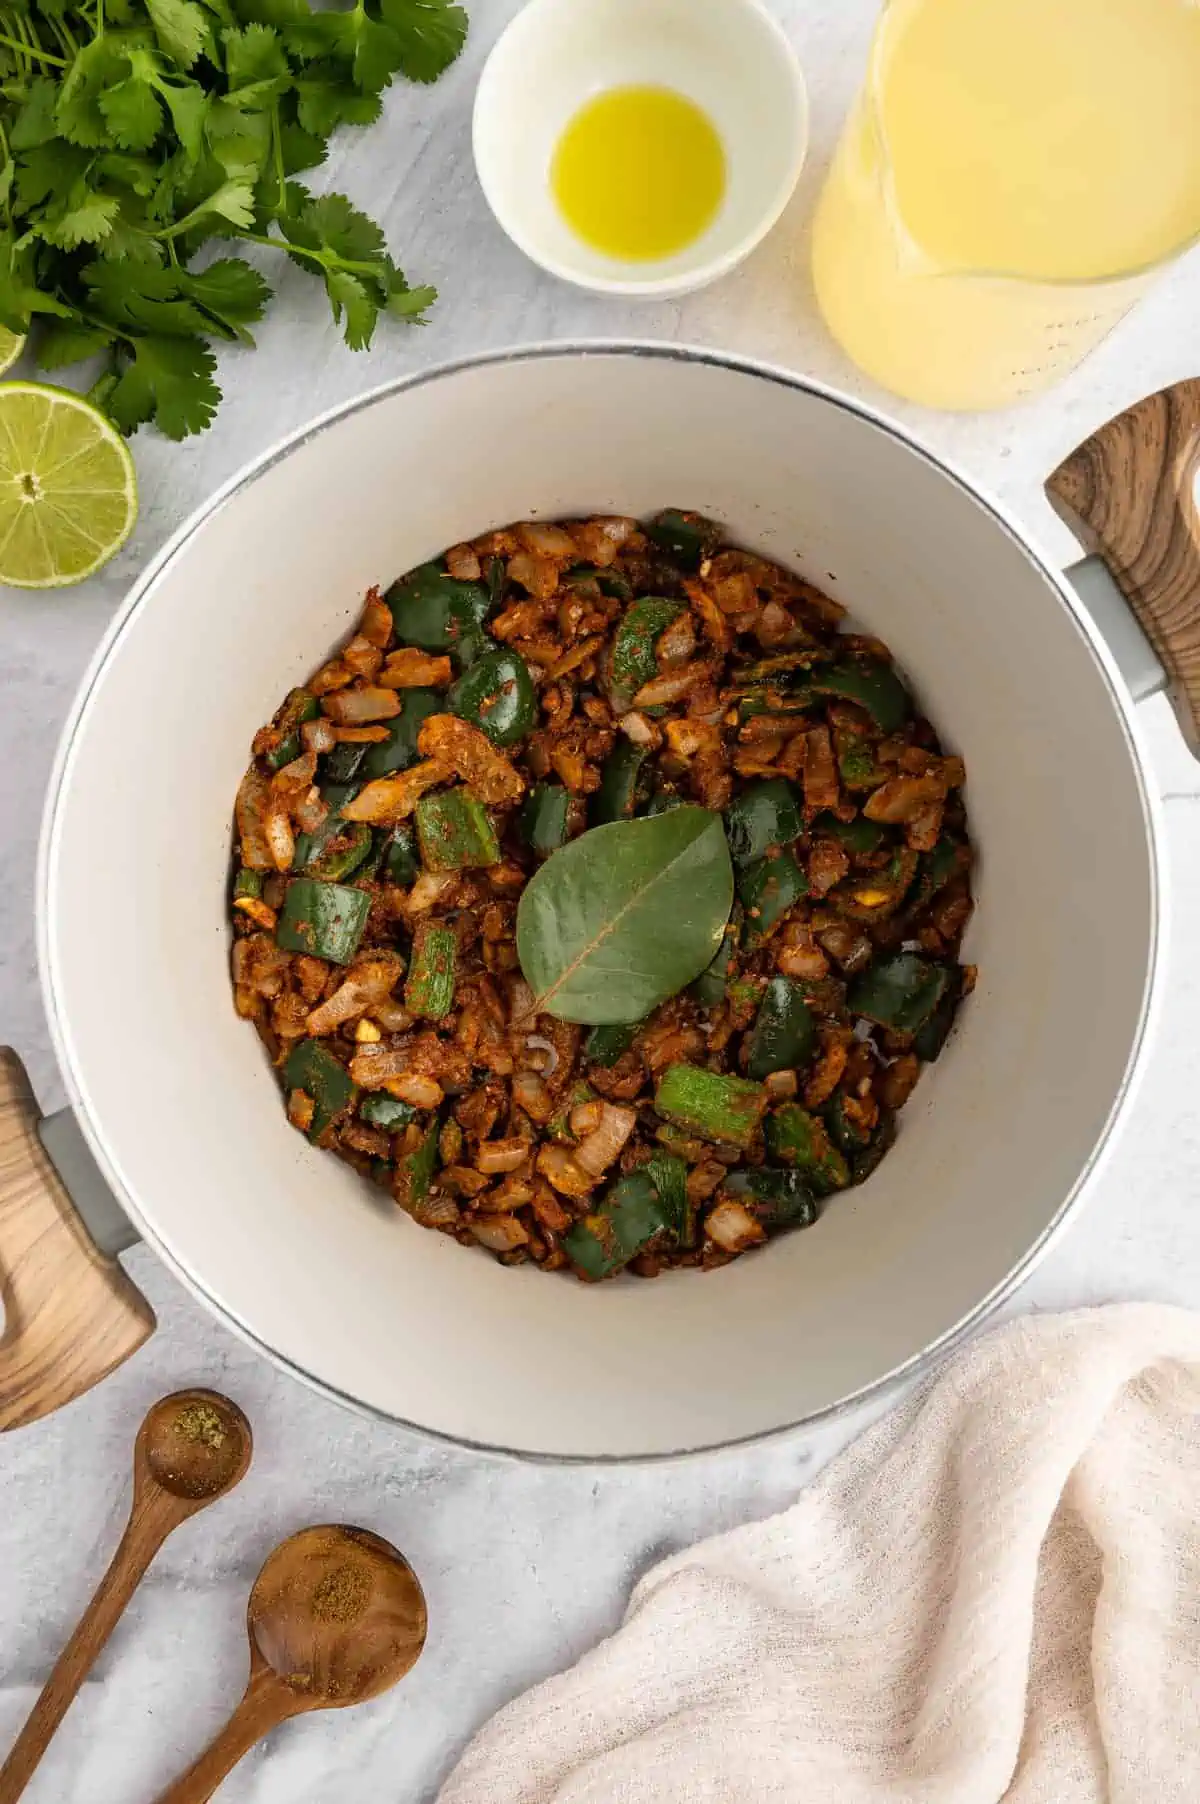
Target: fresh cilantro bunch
132,131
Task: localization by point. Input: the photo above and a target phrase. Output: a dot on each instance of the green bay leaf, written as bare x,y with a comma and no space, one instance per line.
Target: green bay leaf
625,916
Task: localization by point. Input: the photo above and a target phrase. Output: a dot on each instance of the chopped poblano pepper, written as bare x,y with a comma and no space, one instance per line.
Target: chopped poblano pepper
386,1112
937,868
435,611
767,890
325,919
604,1045
778,1195
802,1140
668,1173
311,1067
337,849
429,987
343,762
615,586
618,794
784,1031
633,660
875,687
932,1035
876,895
544,818
629,1218
400,856
248,883
399,749
709,987
760,816
414,1173
858,835
497,695
559,1126
726,1109
864,1163
455,832
849,1134
299,707
900,992
781,668
687,538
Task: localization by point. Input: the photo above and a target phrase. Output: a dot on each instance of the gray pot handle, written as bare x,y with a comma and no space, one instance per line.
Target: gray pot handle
70,1313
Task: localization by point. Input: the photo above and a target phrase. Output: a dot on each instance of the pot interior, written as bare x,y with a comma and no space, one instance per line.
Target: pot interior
176,1093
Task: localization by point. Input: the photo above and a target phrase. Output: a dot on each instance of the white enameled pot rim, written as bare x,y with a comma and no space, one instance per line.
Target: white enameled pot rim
1123,704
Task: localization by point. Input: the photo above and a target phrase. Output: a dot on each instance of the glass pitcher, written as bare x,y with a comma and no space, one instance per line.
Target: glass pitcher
1009,181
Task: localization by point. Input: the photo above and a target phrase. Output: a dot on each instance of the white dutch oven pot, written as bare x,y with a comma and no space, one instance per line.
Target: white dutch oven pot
174,1096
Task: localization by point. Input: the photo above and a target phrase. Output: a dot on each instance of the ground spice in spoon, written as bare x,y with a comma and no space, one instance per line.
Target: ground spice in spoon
341,1595
199,1422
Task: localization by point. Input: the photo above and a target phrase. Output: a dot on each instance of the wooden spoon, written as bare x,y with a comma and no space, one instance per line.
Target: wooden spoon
336,1616
192,1448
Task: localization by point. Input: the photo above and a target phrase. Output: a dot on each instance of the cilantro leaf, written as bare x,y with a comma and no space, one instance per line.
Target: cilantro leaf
131,112
188,106
62,341
324,101
135,298
332,223
20,296
95,68
181,28
349,299
35,122
84,218
430,32
230,291
169,381
255,65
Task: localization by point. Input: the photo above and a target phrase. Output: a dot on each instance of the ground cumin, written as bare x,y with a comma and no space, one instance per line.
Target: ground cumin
341,1594
199,1422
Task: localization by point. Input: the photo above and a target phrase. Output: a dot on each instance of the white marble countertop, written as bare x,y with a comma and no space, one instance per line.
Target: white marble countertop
524,1567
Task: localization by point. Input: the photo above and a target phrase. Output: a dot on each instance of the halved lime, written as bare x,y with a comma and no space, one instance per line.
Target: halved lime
11,346
68,495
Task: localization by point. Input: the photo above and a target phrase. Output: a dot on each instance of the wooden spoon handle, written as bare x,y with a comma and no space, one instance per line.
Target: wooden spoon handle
151,1520
70,1314
266,1704
1128,492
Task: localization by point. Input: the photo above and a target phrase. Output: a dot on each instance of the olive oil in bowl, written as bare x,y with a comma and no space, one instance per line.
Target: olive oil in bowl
639,173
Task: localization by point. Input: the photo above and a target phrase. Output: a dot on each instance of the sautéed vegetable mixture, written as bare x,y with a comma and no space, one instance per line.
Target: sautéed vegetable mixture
601,899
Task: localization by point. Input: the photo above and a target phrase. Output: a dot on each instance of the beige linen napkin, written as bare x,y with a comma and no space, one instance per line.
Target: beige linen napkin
994,1594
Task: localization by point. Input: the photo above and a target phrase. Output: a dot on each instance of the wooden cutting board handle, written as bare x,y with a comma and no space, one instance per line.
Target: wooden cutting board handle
1128,493
70,1314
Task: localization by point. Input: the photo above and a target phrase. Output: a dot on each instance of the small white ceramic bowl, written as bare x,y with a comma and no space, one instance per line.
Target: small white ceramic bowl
729,56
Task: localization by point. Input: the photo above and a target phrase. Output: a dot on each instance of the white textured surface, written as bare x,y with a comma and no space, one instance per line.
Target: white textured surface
523,1567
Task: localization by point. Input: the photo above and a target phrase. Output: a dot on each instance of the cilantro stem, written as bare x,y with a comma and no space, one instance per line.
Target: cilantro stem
277,144
44,56
326,259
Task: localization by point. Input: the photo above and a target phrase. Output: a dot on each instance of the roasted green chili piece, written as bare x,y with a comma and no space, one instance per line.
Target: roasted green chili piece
610,583
709,987
387,1112
343,763
784,1032
604,1045
859,835
414,1173
337,849
248,883
762,815
848,1133
778,1195
932,1035
900,992
864,1163
311,1067
668,1173
399,749
429,987
937,868
802,1140
620,782
326,919
781,669
497,695
400,856
299,707
876,895
726,1109
875,687
435,611
856,760
454,832
687,538
767,890
628,1220
633,660
544,818
559,1125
